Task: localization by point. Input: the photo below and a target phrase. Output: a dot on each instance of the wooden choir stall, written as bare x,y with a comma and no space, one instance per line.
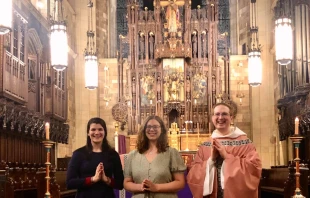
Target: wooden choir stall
293,113
31,94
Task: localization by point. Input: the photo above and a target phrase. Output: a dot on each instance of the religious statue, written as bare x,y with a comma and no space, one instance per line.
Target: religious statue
141,46
174,90
172,13
172,16
203,44
166,94
188,84
141,15
151,46
194,45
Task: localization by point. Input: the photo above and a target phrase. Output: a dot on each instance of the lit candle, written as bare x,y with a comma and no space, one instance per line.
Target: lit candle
47,130
296,125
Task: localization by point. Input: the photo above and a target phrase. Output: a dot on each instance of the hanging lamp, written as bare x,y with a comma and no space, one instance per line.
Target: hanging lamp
254,56
283,34
59,39
90,55
6,16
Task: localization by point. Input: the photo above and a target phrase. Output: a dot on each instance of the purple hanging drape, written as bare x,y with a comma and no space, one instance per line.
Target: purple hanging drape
121,144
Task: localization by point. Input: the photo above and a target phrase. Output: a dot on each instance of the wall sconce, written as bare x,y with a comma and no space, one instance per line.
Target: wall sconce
240,96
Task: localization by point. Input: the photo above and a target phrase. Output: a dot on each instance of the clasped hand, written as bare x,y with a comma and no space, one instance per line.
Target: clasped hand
218,149
147,185
100,174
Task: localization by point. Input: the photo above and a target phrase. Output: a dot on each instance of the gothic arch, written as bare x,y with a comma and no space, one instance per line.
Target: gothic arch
35,44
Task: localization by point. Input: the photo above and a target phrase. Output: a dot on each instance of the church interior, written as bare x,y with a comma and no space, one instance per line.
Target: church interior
63,62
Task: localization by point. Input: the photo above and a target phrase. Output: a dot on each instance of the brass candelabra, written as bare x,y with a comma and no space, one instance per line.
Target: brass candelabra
296,139
48,146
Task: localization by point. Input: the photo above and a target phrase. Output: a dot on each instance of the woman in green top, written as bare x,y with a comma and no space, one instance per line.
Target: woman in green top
154,170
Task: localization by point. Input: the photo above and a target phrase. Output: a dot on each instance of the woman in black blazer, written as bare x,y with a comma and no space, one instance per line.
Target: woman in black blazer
95,169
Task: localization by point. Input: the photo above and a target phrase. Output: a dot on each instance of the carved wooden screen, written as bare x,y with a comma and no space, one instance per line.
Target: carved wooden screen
185,38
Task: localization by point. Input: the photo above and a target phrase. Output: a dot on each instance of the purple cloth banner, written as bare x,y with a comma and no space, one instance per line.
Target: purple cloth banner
184,193
121,144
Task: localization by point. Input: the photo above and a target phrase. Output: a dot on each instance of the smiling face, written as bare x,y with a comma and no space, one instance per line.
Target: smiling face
96,133
153,130
221,119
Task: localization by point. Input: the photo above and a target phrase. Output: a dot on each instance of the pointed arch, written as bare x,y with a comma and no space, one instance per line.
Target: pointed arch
35,44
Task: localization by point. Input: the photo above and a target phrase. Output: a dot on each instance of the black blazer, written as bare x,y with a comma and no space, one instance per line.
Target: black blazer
83,164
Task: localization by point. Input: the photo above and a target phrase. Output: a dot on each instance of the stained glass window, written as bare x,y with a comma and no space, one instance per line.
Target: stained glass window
121,20
223,26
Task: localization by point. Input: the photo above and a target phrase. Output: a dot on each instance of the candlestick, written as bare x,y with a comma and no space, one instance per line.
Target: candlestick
47,131
198,130
48,145
296,126
186,133
296,139
210,128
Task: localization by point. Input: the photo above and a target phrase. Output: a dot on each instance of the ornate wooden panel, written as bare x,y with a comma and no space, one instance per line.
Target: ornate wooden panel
172,58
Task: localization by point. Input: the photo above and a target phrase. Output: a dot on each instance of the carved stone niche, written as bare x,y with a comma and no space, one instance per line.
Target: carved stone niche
174,112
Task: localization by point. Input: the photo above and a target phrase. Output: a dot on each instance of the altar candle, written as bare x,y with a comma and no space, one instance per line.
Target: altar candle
186,127
198,129
210,127
116,141
47,130
296,125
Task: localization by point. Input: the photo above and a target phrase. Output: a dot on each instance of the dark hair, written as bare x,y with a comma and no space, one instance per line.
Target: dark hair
105,144
223,104
142,141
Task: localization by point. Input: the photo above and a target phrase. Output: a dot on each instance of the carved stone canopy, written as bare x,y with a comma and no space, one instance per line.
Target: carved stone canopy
177,106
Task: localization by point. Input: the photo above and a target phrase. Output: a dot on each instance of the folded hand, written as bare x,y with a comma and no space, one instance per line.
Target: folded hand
149,186
220,148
